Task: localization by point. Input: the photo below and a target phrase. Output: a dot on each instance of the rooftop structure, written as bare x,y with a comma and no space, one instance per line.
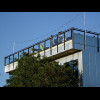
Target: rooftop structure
71,45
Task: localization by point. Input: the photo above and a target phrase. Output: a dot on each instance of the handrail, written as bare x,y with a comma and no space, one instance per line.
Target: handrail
49,38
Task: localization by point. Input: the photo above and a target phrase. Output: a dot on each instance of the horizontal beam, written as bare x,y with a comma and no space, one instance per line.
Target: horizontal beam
81,30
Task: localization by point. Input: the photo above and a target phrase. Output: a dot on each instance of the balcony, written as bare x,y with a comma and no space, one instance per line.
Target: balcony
59,45
68,47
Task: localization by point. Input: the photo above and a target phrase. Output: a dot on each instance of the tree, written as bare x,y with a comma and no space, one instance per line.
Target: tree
36,72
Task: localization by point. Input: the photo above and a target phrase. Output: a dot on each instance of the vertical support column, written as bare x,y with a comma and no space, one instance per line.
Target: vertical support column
64,40
39,49
18,55
23,52
57,43
98,43
28,51
84,40
9,59
51,45
72,37
44,47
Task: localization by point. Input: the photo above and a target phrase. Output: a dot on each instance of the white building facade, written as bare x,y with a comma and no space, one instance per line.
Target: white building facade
69,46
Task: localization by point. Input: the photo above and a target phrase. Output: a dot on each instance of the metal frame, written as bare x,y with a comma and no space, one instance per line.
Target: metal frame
84,40
72,37
38,48
57,43
44,47
64,40
98,43
51,45
50,38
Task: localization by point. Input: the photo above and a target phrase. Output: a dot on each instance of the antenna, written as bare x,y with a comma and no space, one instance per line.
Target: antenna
13,47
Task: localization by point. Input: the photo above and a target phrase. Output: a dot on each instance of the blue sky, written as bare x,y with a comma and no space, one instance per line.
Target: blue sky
24,28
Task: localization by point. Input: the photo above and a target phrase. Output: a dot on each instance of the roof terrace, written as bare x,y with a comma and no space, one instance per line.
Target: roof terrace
57,45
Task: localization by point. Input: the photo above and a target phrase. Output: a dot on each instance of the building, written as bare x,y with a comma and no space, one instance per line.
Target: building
72,45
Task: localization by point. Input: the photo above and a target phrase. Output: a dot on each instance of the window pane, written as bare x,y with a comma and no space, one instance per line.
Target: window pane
74,65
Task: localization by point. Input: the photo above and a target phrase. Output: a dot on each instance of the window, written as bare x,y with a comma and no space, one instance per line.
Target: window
74,65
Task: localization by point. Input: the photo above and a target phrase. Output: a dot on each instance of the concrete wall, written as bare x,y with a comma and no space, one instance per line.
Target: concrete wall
11,67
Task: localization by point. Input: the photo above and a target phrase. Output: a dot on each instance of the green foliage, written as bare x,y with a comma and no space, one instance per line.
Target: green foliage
36,72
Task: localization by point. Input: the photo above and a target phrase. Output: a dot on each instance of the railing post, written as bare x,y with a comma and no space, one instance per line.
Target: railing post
18,55
84,40
57,43
38,48
98,43
72,37
9,59
44,47
64,40
51,45
28,51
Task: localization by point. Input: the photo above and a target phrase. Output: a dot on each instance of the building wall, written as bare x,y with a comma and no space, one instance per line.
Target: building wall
75,56
91,60
88,60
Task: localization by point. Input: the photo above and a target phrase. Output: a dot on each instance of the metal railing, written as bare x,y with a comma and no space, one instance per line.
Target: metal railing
51,43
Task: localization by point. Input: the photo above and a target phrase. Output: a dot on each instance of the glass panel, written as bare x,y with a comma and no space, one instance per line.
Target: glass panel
54,41
31,50
67,36
7,60
60,38
15,57
11,59
48,44
74,65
